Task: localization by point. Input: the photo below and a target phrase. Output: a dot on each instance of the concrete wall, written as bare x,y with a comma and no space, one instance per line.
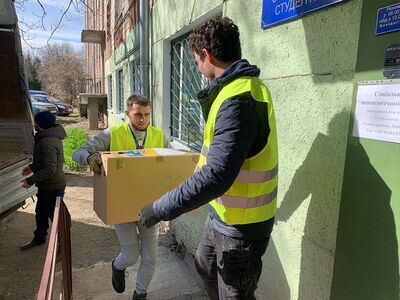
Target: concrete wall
308,65
122,58
367,252
163,29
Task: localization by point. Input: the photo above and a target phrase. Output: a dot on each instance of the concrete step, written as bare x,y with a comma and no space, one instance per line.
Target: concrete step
172,281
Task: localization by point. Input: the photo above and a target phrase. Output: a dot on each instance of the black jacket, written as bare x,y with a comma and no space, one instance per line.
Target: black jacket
241,131
48,159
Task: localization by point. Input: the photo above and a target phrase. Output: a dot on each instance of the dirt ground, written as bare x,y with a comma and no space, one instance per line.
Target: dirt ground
94,246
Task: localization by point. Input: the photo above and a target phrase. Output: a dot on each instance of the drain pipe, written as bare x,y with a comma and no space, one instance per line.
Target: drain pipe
94,52
144,48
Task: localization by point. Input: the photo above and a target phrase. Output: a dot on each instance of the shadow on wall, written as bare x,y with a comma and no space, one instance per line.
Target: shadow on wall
331,35
366,260
318,178
273,279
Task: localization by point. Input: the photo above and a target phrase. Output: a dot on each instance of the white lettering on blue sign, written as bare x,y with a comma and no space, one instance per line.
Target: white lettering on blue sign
388,19
279,11
291,5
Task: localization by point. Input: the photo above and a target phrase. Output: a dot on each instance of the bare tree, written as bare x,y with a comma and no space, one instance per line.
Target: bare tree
62,71
42,22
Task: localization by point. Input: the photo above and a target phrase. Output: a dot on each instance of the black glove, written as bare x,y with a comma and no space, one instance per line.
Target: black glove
147,216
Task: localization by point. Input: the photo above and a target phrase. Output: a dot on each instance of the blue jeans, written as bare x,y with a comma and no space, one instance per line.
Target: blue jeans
46,202
229,267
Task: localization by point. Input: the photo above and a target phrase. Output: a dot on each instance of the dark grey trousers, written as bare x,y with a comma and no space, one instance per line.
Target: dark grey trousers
229,267
46,202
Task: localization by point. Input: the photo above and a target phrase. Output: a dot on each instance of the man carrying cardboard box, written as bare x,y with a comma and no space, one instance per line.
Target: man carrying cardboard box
137,134
237,173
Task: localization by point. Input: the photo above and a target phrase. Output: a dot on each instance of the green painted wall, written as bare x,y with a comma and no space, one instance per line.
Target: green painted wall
367,254
122,58
309,66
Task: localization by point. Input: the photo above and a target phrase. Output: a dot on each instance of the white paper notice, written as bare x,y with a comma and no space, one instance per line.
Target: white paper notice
378,112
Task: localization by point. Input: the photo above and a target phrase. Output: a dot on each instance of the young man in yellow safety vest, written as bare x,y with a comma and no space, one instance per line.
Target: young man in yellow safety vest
135,134
237,174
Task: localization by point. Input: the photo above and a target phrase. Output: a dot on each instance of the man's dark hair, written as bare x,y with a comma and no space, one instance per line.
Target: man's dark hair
137,99
220,36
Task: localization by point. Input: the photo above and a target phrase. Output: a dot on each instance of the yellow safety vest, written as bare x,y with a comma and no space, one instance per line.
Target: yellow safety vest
122,138
252,196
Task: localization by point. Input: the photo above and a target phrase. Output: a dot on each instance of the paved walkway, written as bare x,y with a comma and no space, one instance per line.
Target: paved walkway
172,280
94,246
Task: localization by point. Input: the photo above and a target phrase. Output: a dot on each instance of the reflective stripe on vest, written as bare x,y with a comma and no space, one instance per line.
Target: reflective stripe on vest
122,139
252,196
243,202
257,176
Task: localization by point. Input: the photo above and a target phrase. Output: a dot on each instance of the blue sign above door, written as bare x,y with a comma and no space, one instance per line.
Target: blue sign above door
388,19
278,11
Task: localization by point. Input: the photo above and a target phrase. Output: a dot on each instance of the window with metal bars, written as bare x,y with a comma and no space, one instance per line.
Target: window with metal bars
120,90
135,78
187,123
110,91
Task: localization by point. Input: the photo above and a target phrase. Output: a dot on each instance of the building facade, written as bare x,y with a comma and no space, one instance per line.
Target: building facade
313,66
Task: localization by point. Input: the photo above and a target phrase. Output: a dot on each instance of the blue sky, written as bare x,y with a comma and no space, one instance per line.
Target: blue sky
30,12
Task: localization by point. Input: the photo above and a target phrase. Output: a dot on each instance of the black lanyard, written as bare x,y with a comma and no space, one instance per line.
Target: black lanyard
136,141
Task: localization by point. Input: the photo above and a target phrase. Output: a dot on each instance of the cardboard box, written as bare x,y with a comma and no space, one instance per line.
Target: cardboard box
132,179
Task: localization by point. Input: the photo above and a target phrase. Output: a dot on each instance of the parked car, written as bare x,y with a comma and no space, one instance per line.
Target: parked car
64,109
37,107
37,92
39,104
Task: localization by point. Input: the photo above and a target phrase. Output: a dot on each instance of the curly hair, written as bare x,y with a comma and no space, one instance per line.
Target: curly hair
137,99
220,36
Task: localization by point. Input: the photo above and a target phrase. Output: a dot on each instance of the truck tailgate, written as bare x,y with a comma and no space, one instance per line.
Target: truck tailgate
11,192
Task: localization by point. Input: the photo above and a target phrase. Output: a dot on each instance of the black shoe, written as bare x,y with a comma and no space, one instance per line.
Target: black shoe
118,279
32,244
139,296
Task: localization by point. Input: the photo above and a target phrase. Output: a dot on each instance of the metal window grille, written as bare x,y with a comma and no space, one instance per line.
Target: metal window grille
120,90
135,78
187,123
110,91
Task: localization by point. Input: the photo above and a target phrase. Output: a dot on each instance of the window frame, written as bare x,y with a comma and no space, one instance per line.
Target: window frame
186,120
110,92
120,90
135,77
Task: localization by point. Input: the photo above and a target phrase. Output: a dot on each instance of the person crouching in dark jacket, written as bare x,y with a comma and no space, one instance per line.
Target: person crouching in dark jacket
47,173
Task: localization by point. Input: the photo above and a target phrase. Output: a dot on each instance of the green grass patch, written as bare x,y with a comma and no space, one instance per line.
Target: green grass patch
76,137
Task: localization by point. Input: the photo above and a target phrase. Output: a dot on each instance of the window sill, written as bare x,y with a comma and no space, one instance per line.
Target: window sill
178,144
120,116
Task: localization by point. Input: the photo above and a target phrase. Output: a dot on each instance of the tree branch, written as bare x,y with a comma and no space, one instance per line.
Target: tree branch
59,21
43,15
78,5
